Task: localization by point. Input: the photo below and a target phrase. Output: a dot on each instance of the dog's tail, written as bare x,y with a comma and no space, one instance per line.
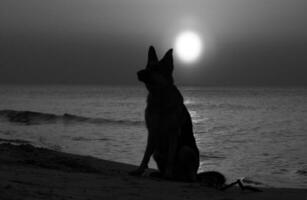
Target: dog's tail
217,180
212,179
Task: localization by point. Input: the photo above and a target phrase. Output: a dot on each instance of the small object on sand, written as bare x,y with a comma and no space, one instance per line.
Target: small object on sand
243,187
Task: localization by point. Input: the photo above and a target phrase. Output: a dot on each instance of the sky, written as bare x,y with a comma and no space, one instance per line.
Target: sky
245,42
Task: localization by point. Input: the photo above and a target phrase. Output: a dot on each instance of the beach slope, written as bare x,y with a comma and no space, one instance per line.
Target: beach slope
28,172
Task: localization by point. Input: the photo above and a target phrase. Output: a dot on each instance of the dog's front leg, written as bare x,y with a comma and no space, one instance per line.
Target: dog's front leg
172,154
150,146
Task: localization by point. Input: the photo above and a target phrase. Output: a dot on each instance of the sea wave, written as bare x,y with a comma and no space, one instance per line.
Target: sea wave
209,155
34,118
229,106
14,141
88,139
302,172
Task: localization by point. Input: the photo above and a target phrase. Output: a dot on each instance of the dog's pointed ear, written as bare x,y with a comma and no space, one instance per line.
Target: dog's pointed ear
152,56
167,61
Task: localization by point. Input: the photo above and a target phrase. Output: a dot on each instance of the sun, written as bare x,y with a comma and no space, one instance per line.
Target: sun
188,46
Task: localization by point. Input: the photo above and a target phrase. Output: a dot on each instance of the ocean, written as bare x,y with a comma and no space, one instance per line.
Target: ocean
257,133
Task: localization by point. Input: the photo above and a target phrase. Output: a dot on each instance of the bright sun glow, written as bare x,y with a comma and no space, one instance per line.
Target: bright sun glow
188,46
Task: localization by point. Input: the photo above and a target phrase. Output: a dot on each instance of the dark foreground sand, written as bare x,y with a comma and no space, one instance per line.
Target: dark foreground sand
27,172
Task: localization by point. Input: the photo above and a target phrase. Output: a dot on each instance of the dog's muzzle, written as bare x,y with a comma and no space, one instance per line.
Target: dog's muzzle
143,75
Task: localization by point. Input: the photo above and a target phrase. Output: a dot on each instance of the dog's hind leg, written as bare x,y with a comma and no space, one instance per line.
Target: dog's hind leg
187,164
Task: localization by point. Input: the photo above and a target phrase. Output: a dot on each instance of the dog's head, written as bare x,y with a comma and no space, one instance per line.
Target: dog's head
157,74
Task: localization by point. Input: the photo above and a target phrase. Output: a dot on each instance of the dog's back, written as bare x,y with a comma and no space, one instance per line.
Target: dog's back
160,111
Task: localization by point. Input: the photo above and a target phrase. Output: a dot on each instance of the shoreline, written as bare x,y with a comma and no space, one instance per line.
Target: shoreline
28,172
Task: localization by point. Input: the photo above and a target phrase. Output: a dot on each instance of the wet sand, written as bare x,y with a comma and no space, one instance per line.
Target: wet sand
27,172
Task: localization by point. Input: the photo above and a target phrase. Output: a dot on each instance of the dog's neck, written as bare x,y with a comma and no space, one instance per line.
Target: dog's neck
159,91
164,97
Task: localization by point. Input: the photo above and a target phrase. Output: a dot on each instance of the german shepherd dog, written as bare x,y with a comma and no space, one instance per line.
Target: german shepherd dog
170,132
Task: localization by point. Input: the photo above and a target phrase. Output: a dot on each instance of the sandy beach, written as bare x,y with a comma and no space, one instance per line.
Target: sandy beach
27,172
